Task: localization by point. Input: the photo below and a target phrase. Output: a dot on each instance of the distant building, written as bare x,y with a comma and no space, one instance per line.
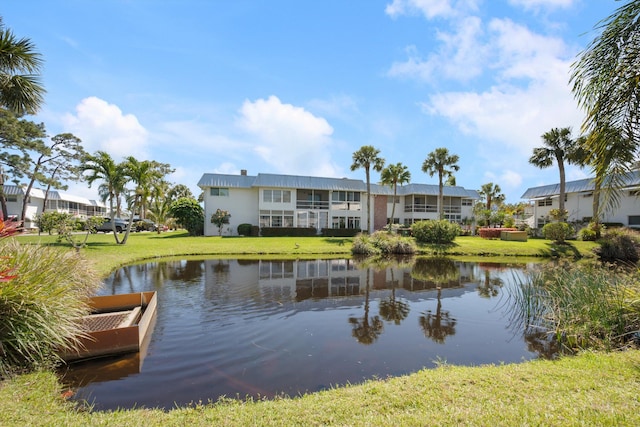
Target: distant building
579,202
270,200
56,201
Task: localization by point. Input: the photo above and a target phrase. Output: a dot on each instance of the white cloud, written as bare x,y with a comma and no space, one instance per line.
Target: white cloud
431,9
530,94
289,138
537,4
103,126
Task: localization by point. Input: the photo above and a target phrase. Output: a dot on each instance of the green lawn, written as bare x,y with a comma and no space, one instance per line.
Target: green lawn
588,390
106,255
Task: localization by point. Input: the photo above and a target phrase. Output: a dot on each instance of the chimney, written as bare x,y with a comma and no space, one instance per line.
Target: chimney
243,172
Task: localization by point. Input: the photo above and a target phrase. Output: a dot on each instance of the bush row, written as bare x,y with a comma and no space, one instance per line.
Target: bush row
493,233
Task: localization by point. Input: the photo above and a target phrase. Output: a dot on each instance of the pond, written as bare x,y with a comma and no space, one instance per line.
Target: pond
261,328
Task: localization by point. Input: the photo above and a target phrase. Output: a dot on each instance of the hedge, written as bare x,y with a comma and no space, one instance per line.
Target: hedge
288,231
493,233
340,232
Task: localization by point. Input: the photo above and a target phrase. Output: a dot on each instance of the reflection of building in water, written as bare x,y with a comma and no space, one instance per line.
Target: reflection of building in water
324,278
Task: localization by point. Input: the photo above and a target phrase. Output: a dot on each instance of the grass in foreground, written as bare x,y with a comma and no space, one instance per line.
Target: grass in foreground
590,389
106,255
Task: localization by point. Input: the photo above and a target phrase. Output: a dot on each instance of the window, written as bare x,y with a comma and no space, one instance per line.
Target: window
634,220
12,199
217,191
276,218
545,202
352,222
467,202
390,200
345,196
276,196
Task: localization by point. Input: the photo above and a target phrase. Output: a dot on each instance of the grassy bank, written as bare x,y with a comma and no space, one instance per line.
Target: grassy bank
590,389
106,255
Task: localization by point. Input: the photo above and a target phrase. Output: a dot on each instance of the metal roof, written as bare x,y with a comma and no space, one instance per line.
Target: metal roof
580,186
309,182
222,180
16,190
267,180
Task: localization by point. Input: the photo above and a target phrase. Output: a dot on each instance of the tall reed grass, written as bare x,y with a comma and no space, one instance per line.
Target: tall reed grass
40,304
585,306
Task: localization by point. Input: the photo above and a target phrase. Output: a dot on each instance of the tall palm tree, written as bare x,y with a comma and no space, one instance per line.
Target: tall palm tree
393,175
20,66
444,164
101,167
367,157
143,174
606,86
558,146
490,192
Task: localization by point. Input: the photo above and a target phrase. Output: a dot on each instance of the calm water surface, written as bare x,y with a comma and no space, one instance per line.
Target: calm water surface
241,328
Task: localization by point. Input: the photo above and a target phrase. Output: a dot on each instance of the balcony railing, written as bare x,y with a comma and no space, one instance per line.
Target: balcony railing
312,205
420,207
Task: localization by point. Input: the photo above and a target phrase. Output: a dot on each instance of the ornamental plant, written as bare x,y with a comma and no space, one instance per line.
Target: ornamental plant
220,218
43,292
438,232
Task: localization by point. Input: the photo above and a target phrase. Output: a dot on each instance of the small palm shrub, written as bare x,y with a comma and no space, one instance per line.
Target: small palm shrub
557,231
40,304
590,233
619,245
439,232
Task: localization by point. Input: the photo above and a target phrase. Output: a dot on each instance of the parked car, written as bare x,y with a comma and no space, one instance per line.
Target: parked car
106,227
145,225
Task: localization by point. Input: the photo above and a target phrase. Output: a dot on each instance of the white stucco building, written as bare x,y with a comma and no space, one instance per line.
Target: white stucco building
56,201
271,200
579,202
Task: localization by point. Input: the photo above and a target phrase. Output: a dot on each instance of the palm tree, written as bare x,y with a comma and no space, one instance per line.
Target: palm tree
143,174
367,157
393,175
441,162
20,65
606,85
491,192
558,146
102,167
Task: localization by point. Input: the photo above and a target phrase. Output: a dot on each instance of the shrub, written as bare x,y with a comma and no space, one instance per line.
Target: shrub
493,233
244,229
440,231
288,231
591,233
557,231
382,243
340,232
40,304
619,245
189,214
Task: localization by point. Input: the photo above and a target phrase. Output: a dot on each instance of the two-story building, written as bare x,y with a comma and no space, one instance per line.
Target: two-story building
579,202
272,200
55,201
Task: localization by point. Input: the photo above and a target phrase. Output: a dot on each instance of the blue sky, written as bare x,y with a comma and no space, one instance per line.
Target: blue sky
295,87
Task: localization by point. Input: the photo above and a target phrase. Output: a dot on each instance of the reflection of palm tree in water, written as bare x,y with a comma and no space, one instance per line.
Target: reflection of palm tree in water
489,288
391,309
366,330
443,272
438,325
